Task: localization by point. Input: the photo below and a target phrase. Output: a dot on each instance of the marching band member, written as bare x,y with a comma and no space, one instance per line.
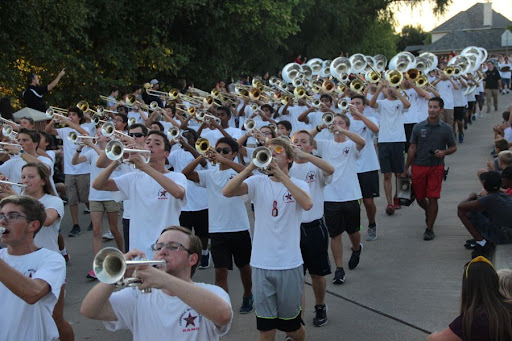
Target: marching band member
279,202
314,240
342,195
153,189
177,308
228,223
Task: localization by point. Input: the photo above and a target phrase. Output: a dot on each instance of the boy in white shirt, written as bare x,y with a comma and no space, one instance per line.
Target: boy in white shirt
227,218
314,240
342,195
391,137
276,261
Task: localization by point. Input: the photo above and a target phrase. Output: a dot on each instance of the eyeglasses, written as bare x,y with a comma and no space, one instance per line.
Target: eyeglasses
30,119
223,150
171,246
11,216
476,260
118,120
135,134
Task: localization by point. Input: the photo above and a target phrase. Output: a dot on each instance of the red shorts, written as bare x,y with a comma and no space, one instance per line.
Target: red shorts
426,181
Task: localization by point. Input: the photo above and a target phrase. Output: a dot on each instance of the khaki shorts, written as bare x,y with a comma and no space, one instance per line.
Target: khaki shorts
77,188
104,206
447,116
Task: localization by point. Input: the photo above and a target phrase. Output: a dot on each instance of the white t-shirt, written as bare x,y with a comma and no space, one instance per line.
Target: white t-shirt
12,170
153,208
368,159
343,156
508,134
94,194
224,214
445,89
411,114
69,149
158,316
23,321
391,126
197,199
293,116
505,74
276,242
47,235
316,181
459,100
214,135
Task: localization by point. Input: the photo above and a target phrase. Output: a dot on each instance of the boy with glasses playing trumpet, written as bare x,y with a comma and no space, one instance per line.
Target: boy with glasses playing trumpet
177,308
227,218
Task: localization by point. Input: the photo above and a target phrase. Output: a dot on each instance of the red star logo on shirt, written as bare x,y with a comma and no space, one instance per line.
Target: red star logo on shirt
190,320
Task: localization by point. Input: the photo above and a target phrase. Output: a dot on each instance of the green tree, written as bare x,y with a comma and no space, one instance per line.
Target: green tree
411,36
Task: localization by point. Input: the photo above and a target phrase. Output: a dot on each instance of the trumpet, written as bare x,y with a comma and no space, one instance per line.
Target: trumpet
115,151
173,133
203,147
16,145
316,104
422,81
327,118
100,110
249,125
56,112
7,130
97,120
78,139
9,122
373,76
343,104
110,267
413,74
207,118
300,92
261,157
109,130
357,86
394,77
132,121
341,88
4,182
328,86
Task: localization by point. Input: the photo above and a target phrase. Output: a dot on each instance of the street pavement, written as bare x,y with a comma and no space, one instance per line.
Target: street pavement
403,288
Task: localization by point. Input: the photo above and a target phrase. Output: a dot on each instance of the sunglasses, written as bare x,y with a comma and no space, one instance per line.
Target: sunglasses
277,149
476,260
223,150
135,134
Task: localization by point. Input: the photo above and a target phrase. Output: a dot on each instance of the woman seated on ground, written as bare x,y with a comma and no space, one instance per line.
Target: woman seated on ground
485,314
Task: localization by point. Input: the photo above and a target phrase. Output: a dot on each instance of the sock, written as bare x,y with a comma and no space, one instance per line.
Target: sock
481,242
205,252
63,251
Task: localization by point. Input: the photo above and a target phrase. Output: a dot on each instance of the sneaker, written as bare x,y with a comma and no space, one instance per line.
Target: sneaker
205,261
390,210
470,244
473,117
247,305
429,234
354,259
480,114
89,228
372,233
86,211
75,231
339,276
487,250
320,318
461,138
66,257
466,125
91,275
108,235
396,204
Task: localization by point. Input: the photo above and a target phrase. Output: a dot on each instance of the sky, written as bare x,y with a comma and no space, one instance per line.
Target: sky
423,13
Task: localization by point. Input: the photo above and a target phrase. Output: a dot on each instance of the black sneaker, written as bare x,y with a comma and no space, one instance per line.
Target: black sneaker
205,261
470,244
75,231
354,259
247,305
487,250
429,234
339,276
320,318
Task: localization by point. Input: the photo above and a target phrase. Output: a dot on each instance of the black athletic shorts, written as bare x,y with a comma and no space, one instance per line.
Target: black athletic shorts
369,183
342,216
228,245
391,157
198,220
314,245
459,113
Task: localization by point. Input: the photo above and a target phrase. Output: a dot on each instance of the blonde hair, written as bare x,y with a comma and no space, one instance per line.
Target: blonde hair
505,157
505,276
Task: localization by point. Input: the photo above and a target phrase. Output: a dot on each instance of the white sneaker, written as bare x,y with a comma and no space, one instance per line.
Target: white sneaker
480,114
108,235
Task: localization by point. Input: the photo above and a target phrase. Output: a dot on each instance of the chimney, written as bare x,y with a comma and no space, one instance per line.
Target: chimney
488,13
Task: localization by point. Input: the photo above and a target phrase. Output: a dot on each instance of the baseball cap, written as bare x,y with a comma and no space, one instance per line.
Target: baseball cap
154,81
491,181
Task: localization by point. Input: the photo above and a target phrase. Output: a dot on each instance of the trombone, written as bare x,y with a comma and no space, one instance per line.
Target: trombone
203,147
108,130
9,122
249,125
56,112
116,149
173,133
110,267
357,86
